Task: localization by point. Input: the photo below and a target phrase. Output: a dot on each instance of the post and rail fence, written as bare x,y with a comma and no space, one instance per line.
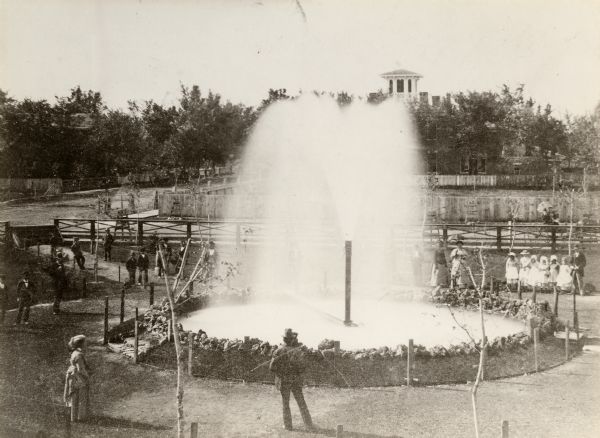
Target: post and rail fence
499,236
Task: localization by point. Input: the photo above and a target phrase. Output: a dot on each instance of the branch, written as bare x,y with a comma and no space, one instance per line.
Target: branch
462,327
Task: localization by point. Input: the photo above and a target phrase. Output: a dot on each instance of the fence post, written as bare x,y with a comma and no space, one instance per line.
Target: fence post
553,237
567,341
135,335
574,304
7,234
194,430
119,265
536,337
499,238
105,320
92,234
190,353
84,288
156,199
445,234
238,235
555,301
151,294
122,315
409,359
188,230
531,327
576,324
534,297
140,233
504,428
519,293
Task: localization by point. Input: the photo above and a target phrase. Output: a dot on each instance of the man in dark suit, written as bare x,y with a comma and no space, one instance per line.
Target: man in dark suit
579,262
288,366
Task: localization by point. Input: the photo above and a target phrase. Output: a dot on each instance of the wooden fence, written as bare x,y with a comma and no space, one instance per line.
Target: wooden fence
240,233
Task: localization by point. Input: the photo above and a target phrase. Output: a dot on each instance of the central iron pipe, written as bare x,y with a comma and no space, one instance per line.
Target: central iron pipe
348,248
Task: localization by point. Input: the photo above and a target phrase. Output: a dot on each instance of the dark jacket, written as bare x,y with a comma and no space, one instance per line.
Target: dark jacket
288,364
76,249
131,264
108,240
580,262
25,291
143,262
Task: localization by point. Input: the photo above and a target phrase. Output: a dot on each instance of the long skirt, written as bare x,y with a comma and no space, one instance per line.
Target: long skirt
439,275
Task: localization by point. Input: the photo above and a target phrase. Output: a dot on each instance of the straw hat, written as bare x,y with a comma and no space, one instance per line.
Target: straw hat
554,257
524,252
511,254
76,341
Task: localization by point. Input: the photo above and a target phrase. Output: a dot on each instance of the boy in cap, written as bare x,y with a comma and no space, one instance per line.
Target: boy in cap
288,365
25,292
131,266
78,253
143,263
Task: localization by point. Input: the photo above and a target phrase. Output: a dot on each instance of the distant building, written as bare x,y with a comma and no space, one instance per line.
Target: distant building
403,83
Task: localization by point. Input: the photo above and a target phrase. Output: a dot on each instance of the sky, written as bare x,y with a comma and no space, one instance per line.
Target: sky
141,50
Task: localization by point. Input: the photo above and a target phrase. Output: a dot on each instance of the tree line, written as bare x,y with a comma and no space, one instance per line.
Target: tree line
79,136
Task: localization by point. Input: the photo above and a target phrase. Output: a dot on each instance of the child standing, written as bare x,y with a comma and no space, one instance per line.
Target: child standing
564,280
525,262
553,270
512,270
544,272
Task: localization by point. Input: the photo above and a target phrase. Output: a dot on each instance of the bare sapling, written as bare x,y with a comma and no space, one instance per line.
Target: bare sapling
178,349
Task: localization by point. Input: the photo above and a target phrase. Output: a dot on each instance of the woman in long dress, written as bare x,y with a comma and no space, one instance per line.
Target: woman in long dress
534,272
77,381
439,269
458,257
512,270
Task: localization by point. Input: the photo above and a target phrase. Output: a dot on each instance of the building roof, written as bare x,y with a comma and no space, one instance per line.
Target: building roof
401,72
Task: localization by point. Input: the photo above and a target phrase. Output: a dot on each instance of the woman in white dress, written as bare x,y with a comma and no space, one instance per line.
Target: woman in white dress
512,270
525,262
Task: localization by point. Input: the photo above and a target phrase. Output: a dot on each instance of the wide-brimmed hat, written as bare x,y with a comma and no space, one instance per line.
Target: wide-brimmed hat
25,273
459,242
289,334
554,257
76,341
524,252
511,254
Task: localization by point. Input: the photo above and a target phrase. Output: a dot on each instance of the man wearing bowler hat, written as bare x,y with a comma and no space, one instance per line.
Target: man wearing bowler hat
288,365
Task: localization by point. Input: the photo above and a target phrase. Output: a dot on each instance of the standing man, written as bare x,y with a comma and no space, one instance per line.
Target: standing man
108,242
59,277
3,298
25,291
131,266
579,263
54,243
143,263
288,365
77,253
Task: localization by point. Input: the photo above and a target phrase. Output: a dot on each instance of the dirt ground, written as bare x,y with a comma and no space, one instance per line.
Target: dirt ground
139,400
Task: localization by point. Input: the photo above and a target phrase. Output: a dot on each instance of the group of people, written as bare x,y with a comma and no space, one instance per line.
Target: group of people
439,269
531,271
